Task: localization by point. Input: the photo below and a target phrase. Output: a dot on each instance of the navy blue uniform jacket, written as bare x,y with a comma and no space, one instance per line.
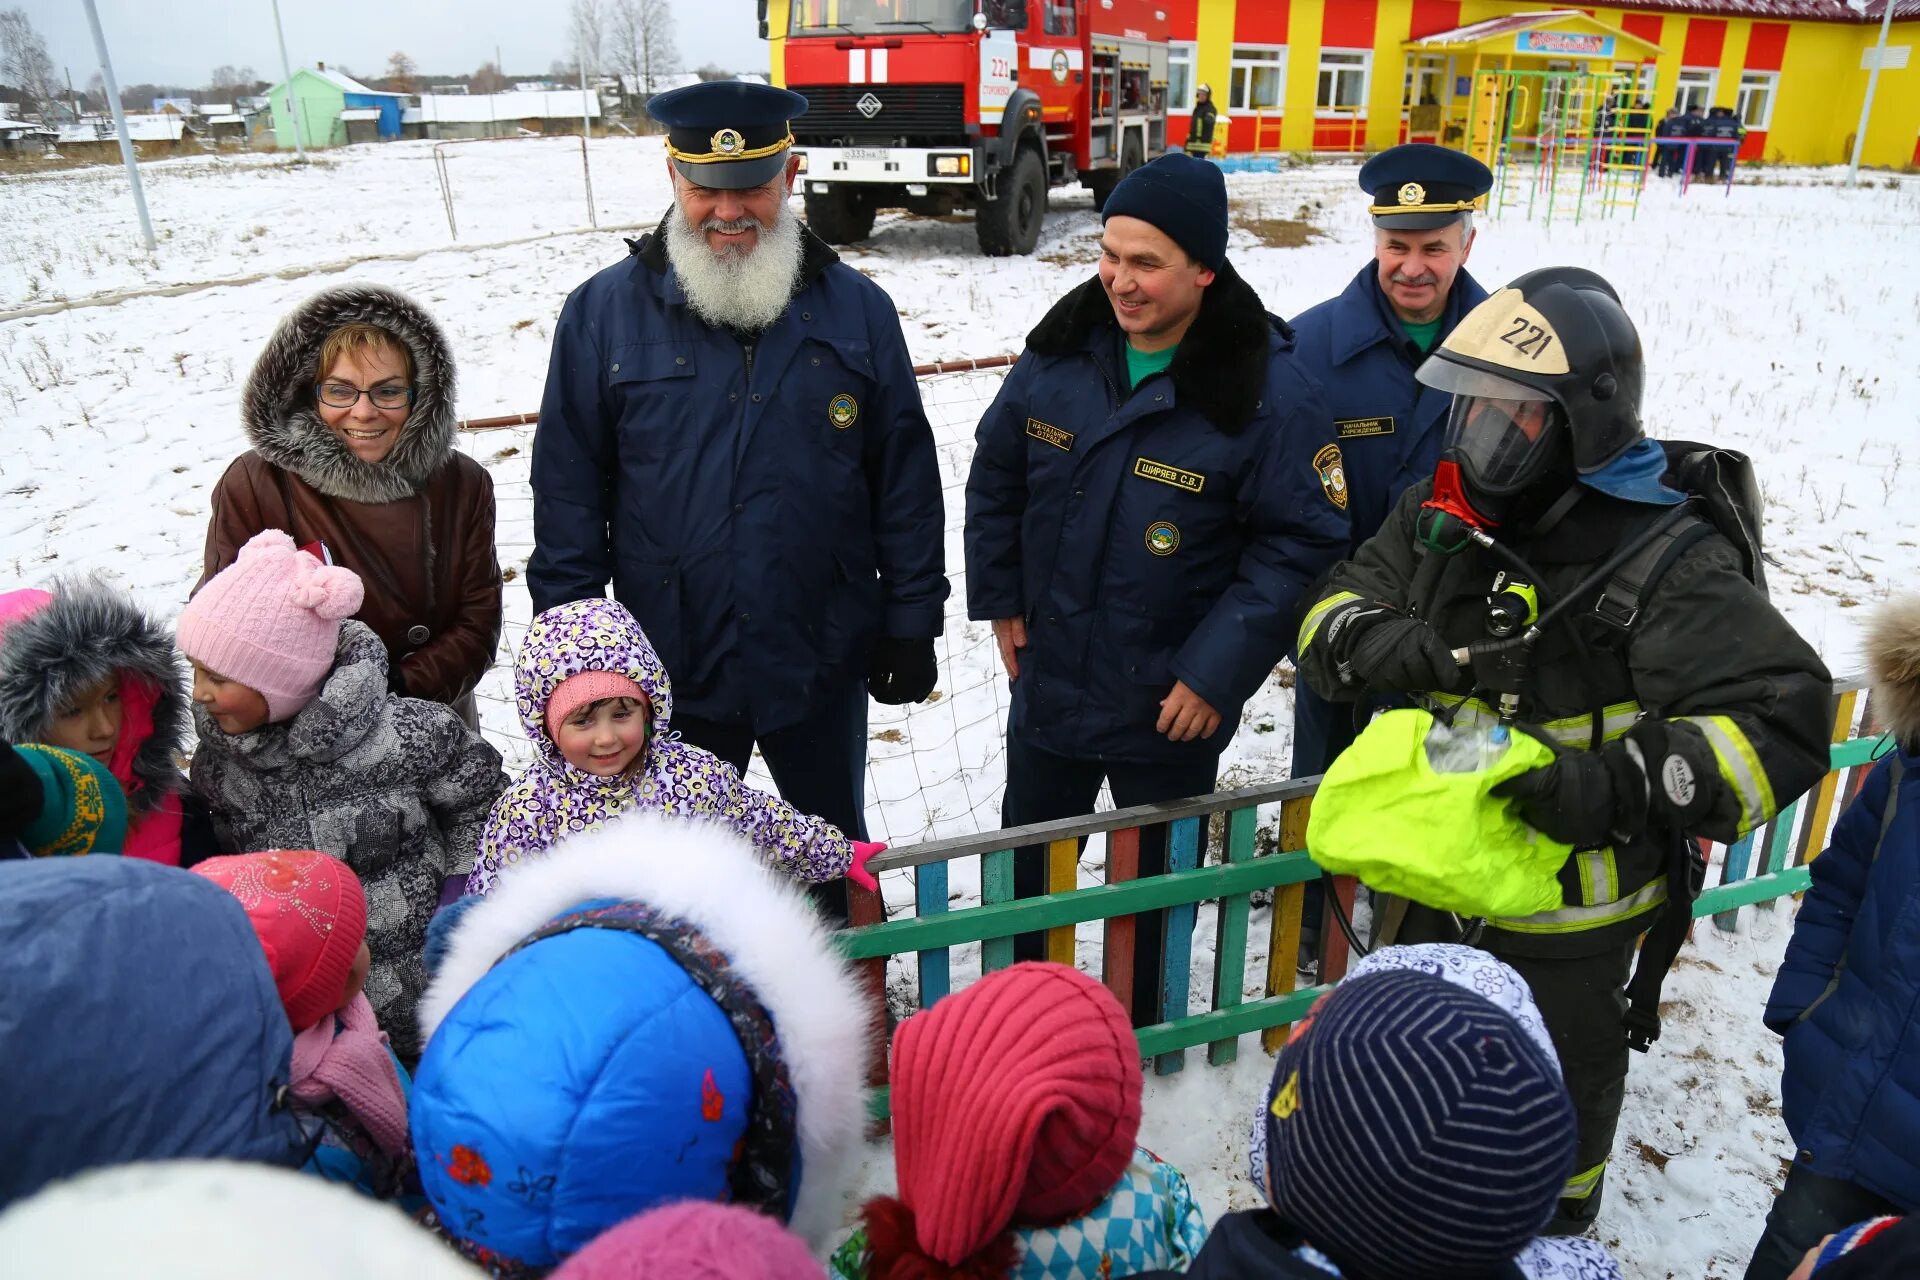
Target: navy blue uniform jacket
1389,426
766,509
1162,534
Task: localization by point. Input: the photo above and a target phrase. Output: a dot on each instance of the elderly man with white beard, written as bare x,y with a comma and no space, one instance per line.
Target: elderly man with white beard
732,437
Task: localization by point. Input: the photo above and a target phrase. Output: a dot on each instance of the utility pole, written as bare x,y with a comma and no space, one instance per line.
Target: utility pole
1866,107
120,123
72,95
286,69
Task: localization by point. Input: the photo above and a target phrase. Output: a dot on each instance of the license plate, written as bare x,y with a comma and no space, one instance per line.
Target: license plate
866,153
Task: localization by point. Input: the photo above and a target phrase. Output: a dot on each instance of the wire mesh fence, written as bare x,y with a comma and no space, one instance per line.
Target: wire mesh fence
934,769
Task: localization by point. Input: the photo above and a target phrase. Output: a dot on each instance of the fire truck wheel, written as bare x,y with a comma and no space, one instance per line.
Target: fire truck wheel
1010,224
840,216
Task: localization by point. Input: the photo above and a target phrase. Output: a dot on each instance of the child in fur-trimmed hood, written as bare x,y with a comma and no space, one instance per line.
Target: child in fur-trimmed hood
84,668
595,699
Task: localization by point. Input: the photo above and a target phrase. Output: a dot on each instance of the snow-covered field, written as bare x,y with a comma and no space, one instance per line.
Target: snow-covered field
1776,320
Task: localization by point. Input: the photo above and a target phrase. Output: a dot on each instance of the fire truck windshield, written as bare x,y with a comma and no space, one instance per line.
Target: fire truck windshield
872,17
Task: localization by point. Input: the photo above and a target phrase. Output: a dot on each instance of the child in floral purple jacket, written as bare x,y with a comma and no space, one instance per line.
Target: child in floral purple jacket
596,701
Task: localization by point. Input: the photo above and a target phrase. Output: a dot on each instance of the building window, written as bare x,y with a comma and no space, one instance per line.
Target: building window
1343,81
1426,83
1696,88
1180,75
1755,104
1258,77
1634,80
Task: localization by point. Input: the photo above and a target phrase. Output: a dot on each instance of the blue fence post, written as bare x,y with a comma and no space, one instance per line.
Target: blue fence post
1183,854
1739,855
930,899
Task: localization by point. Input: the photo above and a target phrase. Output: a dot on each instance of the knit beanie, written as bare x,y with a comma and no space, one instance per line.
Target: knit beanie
82,808
271,620
1015,1102
1182,196
577,691
311,915
1415,1131
694,1240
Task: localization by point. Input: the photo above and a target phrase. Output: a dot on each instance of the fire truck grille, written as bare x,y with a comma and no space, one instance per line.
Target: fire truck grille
879,111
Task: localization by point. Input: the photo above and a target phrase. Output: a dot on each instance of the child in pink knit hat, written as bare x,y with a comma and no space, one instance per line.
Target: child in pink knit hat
303,746
310,913
694,1240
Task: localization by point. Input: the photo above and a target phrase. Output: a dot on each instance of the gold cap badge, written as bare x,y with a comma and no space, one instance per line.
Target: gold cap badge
1413,193
728,142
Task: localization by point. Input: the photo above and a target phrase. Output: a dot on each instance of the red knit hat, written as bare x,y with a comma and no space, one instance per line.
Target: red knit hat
578,690
1015,1102
311,915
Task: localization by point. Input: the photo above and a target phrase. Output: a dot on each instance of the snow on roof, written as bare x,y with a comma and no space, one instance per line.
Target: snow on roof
1496,26
360,113
1822,10
456,108
1902,10
231,118
215,108
140,128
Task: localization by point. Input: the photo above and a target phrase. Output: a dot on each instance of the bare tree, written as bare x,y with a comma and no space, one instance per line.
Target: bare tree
588,30
401,71
228,83
714,71
642,37
488,80
24,62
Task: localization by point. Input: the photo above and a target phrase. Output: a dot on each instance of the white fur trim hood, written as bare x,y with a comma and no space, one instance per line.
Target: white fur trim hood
1893,656
710,878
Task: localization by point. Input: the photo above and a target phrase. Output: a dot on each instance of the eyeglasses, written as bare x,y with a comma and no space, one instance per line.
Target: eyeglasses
344,395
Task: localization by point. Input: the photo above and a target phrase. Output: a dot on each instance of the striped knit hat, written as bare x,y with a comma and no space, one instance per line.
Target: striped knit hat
1416,1132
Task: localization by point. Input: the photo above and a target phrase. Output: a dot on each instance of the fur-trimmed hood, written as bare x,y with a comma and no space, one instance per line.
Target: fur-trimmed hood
283,425
1221,366
764,932
1893,658
76,636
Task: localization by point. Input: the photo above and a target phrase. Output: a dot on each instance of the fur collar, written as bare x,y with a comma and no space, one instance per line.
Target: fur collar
710,878
86,632
1221,366
285,428
1893,656
816,255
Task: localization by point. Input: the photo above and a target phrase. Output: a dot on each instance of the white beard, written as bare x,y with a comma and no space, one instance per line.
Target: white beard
733,290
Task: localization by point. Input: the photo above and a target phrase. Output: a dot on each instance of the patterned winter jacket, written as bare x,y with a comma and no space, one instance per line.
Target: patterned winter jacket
552,799
396,787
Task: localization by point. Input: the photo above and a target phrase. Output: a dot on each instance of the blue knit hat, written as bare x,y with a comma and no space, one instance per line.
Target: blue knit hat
1182,196
1415,1131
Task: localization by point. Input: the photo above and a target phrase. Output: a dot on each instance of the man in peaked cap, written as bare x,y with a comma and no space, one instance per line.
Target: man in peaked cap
1364,346
731,435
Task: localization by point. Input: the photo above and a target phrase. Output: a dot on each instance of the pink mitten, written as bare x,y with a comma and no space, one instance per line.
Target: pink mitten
863,851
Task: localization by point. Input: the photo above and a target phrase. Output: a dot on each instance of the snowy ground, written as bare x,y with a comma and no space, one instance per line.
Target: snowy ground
1774,320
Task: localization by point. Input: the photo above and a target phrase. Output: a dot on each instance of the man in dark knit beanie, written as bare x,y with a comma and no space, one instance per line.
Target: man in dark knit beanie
1154,486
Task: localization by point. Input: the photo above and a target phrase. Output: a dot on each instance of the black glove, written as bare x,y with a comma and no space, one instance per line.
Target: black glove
901,671
1403,655
1584,798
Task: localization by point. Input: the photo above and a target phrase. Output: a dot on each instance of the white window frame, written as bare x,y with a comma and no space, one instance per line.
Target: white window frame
1423,68
1342,66
1641,75
1182,53
1766,85
1706,79
1240,73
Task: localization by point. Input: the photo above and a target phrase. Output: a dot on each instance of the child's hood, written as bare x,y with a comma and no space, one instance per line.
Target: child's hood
53,645
1893,653
585,635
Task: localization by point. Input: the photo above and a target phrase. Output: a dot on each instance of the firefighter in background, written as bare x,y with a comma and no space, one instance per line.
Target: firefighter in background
1678,703
1200,130
1364,345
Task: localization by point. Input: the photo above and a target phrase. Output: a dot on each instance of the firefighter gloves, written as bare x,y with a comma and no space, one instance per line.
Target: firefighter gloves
1402,655
1584,798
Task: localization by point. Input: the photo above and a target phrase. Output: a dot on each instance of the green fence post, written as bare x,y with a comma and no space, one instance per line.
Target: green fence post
996,885
1230,934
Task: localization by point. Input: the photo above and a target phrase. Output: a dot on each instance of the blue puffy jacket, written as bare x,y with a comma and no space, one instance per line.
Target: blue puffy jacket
1847,993
138,1021
766,512
1159,533
1389,425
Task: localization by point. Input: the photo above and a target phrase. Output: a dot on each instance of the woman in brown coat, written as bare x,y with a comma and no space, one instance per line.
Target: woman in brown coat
350,413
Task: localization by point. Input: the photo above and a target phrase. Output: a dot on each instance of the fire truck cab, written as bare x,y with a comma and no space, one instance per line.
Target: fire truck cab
938,105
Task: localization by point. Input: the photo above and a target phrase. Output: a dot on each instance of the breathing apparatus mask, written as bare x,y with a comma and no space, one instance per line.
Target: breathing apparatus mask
1503,440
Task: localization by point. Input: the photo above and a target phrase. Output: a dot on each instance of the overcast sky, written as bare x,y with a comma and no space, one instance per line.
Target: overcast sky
156,43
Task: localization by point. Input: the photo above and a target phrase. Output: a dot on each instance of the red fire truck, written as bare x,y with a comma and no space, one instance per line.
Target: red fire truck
935,105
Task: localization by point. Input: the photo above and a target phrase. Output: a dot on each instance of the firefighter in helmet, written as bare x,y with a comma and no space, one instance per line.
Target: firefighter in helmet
1612,616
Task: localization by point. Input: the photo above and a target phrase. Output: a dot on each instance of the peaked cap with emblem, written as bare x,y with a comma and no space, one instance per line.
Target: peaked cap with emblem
1418,186
728,134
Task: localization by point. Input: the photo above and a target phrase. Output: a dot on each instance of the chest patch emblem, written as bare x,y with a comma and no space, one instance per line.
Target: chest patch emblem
1047,433
1358,428
842,410
1148,469
1163,539
1332,470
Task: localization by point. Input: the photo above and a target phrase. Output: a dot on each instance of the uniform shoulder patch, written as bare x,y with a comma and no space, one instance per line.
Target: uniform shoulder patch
1331,467
1047,433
